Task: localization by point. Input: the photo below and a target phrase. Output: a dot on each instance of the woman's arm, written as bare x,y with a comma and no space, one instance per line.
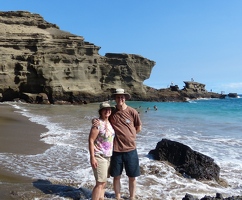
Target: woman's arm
92,137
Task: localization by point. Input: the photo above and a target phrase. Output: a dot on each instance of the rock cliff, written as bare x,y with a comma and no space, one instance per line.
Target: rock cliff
41,63
37,57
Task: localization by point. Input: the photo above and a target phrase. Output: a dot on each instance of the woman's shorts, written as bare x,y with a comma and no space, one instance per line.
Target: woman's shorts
101,173
129,160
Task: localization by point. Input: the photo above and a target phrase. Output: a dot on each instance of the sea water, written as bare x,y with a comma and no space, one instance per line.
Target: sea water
210,126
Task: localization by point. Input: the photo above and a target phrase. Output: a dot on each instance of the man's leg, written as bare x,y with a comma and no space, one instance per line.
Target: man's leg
132,187
132,170
117,186
116,168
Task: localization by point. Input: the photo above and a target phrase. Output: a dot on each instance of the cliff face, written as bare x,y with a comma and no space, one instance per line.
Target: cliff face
40,63
38,57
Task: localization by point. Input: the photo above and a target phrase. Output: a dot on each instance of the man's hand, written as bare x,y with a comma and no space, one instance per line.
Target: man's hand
95,122
138,129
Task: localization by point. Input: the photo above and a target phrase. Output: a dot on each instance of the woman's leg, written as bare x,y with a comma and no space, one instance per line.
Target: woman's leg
98,190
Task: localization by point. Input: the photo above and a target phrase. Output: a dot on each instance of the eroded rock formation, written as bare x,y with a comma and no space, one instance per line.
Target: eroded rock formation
38,58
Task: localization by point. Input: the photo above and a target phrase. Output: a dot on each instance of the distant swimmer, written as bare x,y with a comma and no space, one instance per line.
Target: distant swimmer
138,108
155,107
148,108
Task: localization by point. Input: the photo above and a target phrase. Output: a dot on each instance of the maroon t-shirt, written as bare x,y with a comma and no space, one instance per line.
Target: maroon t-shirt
124,123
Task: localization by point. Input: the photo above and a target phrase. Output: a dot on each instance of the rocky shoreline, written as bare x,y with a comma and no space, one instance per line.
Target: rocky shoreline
217,197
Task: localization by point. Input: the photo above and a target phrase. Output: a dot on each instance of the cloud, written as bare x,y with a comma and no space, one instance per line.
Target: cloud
233,87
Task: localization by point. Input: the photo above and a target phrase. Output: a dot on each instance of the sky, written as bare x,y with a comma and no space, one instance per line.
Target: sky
188,39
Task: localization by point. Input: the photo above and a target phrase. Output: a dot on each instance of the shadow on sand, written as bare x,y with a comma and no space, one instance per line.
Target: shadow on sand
65,191
62,190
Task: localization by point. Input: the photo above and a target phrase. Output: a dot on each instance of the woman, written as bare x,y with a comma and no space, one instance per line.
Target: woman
100,149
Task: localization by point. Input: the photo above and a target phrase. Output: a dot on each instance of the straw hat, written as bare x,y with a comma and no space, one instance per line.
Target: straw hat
105,105
121,91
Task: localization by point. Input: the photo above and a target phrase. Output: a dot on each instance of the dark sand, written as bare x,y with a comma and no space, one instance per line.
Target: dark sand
18,135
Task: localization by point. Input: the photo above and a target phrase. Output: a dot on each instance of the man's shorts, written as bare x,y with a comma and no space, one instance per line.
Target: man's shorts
101,173
129,160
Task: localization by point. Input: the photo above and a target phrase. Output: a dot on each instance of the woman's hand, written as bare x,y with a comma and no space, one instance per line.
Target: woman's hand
93,162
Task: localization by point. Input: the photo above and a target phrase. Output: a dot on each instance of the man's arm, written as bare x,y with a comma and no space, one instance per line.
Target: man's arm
138,128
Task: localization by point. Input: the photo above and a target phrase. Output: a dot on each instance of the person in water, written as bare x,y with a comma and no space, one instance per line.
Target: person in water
100,149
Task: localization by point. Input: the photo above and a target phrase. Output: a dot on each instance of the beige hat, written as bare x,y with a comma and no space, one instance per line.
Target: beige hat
121,91
105,105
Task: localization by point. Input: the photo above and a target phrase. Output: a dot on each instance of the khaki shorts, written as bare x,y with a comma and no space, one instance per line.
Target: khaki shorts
101,173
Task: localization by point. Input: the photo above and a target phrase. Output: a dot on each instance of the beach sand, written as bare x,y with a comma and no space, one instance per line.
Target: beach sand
18,135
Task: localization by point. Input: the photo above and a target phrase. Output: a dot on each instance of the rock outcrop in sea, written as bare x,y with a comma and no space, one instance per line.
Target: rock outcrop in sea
42,64
189,163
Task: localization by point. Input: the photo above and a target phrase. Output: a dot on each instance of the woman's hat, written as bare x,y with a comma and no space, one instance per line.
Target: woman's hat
105,105
121,91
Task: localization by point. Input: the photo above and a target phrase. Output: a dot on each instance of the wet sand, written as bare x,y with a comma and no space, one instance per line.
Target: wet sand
18,135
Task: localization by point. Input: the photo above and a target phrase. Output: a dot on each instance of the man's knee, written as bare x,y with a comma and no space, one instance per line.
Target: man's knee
117,177
131,178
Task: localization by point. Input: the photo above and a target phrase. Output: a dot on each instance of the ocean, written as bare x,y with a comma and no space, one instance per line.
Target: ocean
210,126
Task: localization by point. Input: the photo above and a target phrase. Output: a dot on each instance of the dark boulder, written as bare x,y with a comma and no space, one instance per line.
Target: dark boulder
40,98
186,161
233,95
217,197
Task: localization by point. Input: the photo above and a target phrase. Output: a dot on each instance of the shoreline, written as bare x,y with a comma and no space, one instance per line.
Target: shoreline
18,135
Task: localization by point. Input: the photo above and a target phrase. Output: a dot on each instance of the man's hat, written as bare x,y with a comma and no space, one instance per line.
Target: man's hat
121,91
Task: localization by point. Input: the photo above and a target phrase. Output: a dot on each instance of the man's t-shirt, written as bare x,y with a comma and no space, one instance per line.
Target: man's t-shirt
124,123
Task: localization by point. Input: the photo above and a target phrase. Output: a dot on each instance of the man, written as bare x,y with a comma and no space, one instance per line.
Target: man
126,124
